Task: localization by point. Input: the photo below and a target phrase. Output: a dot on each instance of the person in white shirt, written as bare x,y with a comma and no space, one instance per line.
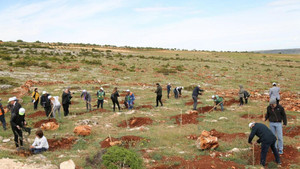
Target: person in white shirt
40,143
55,105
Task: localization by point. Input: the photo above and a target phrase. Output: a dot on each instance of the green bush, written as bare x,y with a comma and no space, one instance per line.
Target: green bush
24,63
74,70
8,81
44,65
119,157
164,70
116,69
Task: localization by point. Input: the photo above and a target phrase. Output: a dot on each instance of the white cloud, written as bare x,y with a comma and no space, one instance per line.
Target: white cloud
157,9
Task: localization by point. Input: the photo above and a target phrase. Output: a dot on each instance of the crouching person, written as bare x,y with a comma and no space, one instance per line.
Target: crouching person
40,143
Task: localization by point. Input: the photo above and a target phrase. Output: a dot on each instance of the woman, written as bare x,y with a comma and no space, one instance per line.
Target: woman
114,98
35,98
55,105
40,143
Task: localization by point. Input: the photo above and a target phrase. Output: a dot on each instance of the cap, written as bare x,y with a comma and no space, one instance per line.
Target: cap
169,83
83,91
250,124
44,92
273,101
11,99
101,88
274,84
49,97
198,85
21,111
127,90
213,96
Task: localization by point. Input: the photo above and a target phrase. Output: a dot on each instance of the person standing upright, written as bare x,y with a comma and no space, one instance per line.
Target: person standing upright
158,92
130,99
114,98
2,116
35,98
45,102
241,95
169,89
274,93
276,115
13,105
197,91
66,101
88,99
100,97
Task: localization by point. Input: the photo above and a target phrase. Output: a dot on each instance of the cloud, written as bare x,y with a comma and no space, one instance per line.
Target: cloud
158,9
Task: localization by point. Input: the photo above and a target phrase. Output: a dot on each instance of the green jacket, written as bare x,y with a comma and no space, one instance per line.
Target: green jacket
218,99
100,95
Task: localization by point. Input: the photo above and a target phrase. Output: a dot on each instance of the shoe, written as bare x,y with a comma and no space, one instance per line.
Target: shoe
280,152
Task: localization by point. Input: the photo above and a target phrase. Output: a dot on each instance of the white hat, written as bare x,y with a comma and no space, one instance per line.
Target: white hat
213,96
169,83
250,124
127,90
198,85
101,88
44,92
21,111
11,99
274,84
83,91
49,97
182,87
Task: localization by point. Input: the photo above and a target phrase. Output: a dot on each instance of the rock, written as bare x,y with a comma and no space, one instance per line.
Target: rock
87,122
3,87
142,128
206,141
67,165
212,121
83,130
49,126
113,143
223,118
6,140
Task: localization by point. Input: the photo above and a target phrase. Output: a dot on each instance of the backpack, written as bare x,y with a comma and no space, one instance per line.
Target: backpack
246,94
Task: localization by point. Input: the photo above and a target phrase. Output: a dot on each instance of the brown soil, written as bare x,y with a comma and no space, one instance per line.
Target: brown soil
37,114
39,123
191,103
290,156
126,141
187,118
144,107
205,162
205,109
252,116
222,136
136,122
62,143
231,102
23,153
291,131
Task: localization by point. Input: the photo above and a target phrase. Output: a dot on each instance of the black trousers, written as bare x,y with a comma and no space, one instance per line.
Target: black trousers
35,104
241,101
277,101
100,102
115,102
168,94
2,119
264,150
18,136
246,100
66,109
47,111
158,99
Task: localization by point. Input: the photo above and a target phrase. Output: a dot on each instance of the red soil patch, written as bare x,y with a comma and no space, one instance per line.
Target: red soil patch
126,141
205,162
252,116
290,156
291,131
144,107
205,109
62,143
191,103
39,123
136,122
23,153
186,118
231,102
223,136
37,114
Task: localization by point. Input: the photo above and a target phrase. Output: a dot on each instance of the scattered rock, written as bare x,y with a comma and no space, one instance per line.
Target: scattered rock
223,118
49,126
142,128
83,130
206,141
6,140
212,121
3,87
87,122
67,165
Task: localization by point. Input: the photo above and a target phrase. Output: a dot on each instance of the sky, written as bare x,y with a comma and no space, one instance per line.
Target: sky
221,25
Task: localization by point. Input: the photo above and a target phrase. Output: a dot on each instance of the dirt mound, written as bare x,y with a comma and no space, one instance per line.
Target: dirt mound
23,153
39,123
205,162
290,156
136,122
227,137
291,131
126,141
191,103
83,130
205,109
62,143
49,126
37,114
144,107
191,118
252,116
231,102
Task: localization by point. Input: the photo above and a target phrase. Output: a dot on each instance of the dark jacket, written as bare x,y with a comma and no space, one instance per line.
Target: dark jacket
197,91
1,110
264,134
15,109
169,87
114,96
17,120
66,98
87,96
276,115
45,102
159,91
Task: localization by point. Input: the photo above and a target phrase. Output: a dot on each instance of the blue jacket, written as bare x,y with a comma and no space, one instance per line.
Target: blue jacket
197,91
264,134
169,87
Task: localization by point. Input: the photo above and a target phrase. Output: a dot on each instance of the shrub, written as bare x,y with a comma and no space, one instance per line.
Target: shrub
44,65
164,70
180,68
116,69
24,63
8,81
74,70
121,64
119,157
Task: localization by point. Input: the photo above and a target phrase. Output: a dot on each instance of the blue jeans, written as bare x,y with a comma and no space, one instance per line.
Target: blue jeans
37,150
264,151
195,102
222,108
276,128
168,93
130,105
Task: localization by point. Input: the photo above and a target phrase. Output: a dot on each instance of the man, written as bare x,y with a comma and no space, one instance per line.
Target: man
179,90
274,93
13,105
169,89
276,114
158,92
55,105
88,99
246,96
176,92
266,138
130,99
45,102
114,98
2,116
100,97
197,91
35,98
218,101
17,124
66,101
241,95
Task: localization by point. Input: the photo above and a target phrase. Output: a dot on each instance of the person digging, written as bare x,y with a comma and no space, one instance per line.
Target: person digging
88,99
267,140
218,101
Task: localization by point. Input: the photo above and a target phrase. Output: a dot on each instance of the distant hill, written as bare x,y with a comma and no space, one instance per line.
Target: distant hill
281,51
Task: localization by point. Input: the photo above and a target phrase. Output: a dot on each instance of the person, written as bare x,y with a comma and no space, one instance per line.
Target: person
66,101
218,101
176,92
274,93
158,92
246,96
88,99
241,95
45,102
2,116
130,99
35,98
40,143
100,97
13,105
276,115
197,91
179,90
114,98
266,138
169,89
17,124
55,105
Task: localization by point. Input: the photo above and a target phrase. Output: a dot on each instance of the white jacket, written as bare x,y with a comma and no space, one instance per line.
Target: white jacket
274,93
55,102
40,142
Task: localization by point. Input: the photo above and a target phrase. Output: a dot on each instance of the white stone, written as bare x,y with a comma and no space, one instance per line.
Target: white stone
6,140
67,165
223,118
